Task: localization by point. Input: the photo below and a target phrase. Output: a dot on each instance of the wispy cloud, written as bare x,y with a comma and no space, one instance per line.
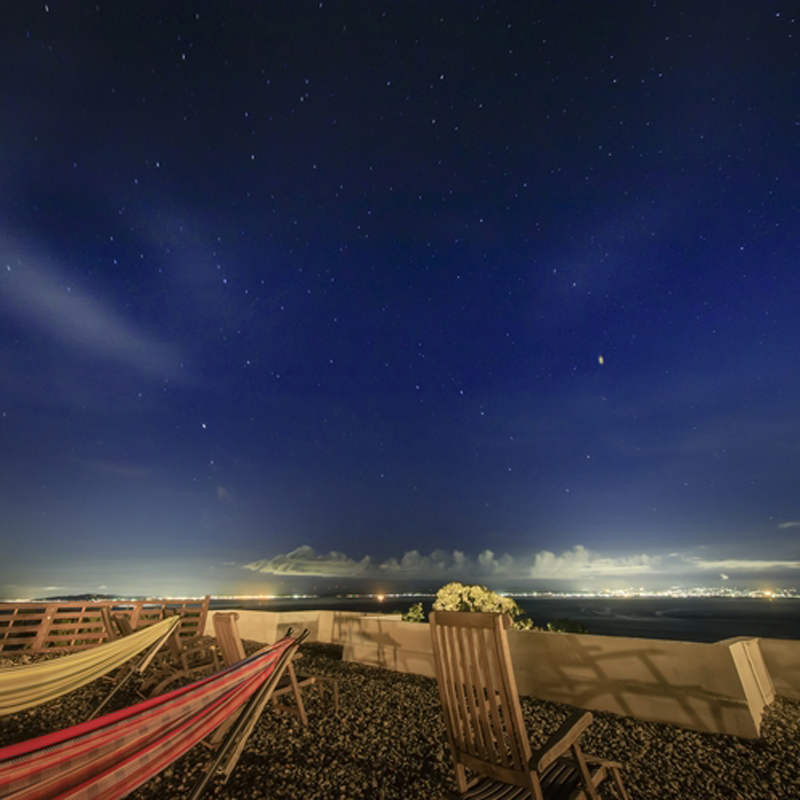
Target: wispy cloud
112,467
791,524
41,297
752,564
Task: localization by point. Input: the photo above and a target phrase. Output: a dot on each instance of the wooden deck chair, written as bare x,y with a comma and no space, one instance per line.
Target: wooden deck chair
484,723
229,642
123,623
185,658
113,631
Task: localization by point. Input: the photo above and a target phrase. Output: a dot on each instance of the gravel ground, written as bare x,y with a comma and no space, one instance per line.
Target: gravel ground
387,744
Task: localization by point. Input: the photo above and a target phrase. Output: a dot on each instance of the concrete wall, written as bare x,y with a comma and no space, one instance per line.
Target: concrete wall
782,660
385,641
269,626
715,688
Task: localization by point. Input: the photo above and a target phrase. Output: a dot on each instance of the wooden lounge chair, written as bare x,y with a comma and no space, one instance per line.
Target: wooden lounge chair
186,657
110,624
229,642
484,723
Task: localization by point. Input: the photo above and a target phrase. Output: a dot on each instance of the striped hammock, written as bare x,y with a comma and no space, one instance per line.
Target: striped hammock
112,755
32,684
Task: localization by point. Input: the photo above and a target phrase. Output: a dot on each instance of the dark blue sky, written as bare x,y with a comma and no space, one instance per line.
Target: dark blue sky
504,292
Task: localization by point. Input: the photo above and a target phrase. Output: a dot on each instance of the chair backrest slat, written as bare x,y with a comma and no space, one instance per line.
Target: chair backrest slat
226,629
485,709
479,695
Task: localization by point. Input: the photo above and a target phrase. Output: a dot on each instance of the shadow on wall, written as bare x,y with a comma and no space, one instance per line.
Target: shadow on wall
385,641
715,688
705,687
782,659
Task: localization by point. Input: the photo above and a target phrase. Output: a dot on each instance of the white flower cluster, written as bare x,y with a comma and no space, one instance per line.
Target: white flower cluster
458,597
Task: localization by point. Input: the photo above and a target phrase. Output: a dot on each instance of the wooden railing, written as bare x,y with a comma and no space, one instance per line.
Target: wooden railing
67,626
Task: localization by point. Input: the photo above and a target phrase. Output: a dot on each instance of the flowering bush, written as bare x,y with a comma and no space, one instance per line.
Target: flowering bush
566,626
458,597
414,614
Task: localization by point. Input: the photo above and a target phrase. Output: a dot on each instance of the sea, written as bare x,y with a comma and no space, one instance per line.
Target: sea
696,619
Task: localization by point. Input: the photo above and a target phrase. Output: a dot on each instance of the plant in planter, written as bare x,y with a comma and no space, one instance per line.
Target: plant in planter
458,597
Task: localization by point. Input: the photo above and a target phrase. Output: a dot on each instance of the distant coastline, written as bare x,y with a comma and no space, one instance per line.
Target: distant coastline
616,594
698,615
699,618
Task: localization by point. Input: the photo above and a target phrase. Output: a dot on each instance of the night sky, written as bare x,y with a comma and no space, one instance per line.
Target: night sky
382,294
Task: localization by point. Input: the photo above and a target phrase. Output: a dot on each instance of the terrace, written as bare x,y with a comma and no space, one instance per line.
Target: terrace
387,740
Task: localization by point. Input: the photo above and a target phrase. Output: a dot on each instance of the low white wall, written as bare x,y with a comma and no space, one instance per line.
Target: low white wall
385,641
782,659
715,688
269,626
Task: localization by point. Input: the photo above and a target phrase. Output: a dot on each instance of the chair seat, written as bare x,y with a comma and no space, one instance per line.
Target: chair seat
561,782
488,789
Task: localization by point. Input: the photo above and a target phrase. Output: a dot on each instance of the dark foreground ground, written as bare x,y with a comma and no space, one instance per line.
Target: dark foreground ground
387,744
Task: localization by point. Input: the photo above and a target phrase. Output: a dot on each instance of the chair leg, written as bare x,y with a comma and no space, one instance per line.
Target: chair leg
334,684
621,791
301,709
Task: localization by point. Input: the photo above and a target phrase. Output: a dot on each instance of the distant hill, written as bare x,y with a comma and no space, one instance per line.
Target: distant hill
75,598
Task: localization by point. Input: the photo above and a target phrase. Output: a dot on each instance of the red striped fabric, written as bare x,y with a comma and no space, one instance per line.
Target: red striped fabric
110,756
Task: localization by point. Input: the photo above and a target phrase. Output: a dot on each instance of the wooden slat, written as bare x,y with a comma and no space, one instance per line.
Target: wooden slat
66,627
484,707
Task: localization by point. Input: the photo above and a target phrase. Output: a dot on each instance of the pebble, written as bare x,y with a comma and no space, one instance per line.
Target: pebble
387,743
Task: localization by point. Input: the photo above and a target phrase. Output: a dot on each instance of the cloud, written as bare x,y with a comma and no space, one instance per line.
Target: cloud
754,564
792,524
223,495
305,561
441,563
580,563
112,467
445,565
41,297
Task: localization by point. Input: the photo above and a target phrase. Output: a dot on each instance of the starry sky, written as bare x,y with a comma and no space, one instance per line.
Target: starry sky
303,295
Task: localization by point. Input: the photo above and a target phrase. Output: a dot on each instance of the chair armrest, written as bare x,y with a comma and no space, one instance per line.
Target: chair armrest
191,651
561,741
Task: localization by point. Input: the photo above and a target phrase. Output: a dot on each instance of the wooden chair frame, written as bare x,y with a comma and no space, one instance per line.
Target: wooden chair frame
485,728
226,630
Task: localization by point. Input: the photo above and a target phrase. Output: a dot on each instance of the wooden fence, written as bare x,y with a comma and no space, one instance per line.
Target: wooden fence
67,626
